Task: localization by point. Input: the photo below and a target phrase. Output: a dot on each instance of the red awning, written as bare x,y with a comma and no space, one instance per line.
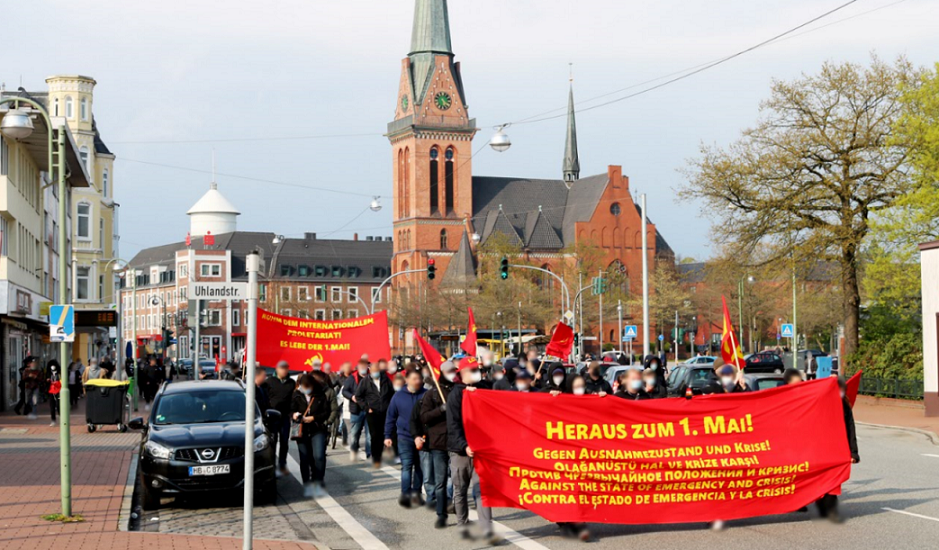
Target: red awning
237,334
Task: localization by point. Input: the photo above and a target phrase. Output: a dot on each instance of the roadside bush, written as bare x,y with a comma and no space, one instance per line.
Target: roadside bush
899,355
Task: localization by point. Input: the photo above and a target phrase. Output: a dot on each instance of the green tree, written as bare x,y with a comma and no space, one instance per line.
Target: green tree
803,184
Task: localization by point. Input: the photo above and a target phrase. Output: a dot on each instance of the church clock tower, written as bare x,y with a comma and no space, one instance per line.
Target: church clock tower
431,144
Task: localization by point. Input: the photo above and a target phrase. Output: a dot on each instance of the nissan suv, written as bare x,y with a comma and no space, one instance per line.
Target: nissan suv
194,442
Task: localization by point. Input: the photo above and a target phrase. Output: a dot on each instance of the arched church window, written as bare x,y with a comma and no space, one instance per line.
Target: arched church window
448,181
443,239
434,182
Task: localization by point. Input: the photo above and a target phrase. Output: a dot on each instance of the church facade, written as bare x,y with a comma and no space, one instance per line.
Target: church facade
442,210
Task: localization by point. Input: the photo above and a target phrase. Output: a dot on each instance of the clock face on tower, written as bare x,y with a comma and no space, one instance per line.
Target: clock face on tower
404,103
443,101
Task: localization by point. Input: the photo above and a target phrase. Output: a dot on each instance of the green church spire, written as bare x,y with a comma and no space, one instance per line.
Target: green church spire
571,158
431,32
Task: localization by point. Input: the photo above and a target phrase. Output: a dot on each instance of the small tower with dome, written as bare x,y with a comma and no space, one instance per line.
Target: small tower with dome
213,213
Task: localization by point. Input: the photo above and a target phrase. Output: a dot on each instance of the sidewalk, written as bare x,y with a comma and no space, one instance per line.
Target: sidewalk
29,489
895,412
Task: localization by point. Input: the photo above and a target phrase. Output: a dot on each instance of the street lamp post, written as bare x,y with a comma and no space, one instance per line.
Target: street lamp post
157,300
120,321
740,289
17,124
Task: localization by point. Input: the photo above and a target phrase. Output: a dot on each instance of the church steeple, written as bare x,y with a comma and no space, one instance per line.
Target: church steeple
431,33
571,158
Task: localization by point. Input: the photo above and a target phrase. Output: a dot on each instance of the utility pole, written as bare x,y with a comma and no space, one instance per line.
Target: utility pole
795,331
253,265
645,279
619,313
600,294
676,336
519,328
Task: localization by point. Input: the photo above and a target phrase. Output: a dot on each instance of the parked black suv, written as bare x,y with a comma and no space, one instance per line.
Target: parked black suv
764,362
195,442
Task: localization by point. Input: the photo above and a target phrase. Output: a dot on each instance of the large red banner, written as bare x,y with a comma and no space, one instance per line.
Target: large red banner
301,341
608,460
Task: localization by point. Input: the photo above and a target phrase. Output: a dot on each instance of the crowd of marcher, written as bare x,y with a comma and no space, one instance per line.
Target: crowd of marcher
402,409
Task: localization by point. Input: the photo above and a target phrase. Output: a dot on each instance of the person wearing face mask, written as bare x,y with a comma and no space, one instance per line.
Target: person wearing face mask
310,409
357,412
656,366
632,387
594,382
374,394
433,417
651,385
510,369
828,504
280,391
523,382
556,380
730,380
397,425
461,455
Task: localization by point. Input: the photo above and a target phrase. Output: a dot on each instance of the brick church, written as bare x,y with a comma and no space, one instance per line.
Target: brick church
439,203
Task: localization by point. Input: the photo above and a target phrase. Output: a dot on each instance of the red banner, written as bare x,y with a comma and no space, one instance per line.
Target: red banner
433,357
301,341
608,460
853,386
562,341
469,344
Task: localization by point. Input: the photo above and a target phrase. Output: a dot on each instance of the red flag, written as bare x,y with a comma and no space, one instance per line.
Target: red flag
730,345
562,341
469,344
209,239
188,239
432,356
853,386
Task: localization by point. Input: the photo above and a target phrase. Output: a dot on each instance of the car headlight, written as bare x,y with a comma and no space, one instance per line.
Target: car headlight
156,450
261,442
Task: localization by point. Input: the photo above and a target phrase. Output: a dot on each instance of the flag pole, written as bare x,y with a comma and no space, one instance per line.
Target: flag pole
436,382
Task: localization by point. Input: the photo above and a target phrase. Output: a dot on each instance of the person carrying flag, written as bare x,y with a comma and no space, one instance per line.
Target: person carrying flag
468,344
433,417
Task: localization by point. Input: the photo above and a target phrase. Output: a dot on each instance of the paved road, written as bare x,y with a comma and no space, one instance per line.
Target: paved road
892,501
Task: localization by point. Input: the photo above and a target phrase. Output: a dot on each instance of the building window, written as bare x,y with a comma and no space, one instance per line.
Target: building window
55,107
104,182
83,155
286,312
101,232
615,209
337,314
82,282
320,315
100,287
211,270
183,270
448,181
5,158
4,237
214,317
443,239
262,292
319,293
352,313
303,294
285,293
84,108
376,296
434,182
303,270
353,294
335,294
84,221
69,109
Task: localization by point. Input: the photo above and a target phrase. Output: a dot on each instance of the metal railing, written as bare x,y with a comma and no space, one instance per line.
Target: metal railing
896,388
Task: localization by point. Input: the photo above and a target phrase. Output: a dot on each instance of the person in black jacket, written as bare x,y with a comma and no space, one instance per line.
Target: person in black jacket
594,382
310,408
374,394
656,367
631,387
280,390
356,413
461,455
828,504
557,380
433,420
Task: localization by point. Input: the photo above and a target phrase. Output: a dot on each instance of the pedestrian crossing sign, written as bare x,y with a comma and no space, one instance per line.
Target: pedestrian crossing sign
629,333
787,330
61,324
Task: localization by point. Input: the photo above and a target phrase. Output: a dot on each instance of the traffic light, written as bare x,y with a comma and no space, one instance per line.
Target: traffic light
431,268
504,268
577,340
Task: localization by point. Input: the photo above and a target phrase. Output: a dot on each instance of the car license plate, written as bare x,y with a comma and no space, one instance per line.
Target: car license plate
209,470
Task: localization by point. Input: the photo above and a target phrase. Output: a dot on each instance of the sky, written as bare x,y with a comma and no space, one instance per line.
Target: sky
262,83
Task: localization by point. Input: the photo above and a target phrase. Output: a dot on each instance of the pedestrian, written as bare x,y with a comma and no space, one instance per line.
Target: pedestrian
657,366
828,504
510,368
74,381
523,382
632,386
55,388
33,381
357,412
374,394
792,376
434,420
280,391
731,380
594,382
329,393
652,385
260,395
397,423
461,455
557,379
310,412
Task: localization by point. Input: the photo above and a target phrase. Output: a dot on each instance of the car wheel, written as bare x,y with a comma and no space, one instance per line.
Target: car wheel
149,499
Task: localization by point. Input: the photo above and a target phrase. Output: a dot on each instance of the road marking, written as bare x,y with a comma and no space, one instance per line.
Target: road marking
507,532
910,514
933,456
344,519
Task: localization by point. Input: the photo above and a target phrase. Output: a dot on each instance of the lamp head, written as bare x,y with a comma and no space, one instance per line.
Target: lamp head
16,124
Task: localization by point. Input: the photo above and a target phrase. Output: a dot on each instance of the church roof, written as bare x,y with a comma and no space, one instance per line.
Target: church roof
431,32
461,271
213,202
571,166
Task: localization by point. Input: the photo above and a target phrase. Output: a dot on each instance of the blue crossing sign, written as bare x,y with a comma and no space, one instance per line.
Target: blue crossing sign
787,331
61,324
630,332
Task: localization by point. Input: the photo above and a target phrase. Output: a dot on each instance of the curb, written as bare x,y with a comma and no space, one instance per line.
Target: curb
123,518
931,436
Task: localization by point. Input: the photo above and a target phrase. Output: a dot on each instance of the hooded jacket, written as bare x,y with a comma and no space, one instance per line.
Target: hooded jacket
348,391
661,385
456,434
433,415
550,386
375,398
398,419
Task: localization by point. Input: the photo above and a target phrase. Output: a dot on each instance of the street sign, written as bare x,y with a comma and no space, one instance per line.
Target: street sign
787,330
218,291
630,332
661,337
61,324
822,367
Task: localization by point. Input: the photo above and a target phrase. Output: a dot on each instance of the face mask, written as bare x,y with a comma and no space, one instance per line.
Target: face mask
578,391
558,380
521,386
650,381
362,372
635,384
498,375
475,377
450,376
398,388
727,381
842,394
654,366
306,391
375,375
